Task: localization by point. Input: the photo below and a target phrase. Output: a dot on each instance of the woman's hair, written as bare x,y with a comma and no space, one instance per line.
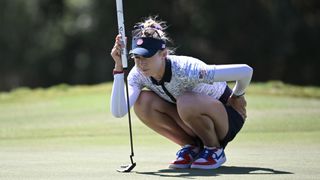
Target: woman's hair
151,27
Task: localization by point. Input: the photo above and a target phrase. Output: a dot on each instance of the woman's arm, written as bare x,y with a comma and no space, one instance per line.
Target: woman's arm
118,103
240,73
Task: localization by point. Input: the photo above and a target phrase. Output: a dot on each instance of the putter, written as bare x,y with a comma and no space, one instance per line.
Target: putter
129,167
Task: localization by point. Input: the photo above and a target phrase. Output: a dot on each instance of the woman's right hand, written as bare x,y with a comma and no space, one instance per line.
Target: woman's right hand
116,53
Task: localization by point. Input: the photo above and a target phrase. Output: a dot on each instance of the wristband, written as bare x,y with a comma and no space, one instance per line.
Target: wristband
117,72
238,96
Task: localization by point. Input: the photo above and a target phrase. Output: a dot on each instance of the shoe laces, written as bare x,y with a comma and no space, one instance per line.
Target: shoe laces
206,153
186,150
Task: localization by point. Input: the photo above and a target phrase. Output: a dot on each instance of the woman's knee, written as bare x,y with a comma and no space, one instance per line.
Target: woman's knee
142,105
187,104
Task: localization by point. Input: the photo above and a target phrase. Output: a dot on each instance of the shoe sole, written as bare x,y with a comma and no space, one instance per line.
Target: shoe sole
214,166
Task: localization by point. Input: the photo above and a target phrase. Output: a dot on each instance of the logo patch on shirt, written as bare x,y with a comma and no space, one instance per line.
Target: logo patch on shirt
202,74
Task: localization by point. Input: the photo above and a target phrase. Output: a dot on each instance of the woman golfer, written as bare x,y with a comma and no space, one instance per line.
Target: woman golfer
181,97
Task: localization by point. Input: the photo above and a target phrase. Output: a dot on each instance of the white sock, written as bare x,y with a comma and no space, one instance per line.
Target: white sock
211,148
195,148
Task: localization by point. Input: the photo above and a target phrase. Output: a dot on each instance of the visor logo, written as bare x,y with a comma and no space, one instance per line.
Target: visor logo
139,42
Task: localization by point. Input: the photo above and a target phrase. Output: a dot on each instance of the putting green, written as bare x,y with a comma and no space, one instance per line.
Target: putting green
68,133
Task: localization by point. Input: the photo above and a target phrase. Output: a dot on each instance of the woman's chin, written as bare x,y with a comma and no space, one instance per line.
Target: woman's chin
145,72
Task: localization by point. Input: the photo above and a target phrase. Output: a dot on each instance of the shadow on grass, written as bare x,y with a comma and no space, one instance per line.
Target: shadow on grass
230,170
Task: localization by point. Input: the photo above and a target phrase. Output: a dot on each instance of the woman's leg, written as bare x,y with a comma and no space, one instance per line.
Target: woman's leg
162,117
206,117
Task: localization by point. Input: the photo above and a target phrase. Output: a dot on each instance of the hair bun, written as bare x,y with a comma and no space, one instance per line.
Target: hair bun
150,23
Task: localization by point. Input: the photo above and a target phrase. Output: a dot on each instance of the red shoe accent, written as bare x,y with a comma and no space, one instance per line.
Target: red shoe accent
184,159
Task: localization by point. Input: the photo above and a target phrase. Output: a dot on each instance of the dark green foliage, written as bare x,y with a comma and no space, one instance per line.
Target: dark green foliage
47,42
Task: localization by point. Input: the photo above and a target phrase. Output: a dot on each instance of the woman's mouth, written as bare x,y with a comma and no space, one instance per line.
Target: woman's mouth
143,69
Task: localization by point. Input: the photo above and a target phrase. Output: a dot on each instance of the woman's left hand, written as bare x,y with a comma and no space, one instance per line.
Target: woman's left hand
239,104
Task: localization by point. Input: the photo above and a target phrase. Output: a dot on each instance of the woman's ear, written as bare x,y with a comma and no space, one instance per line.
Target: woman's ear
164,53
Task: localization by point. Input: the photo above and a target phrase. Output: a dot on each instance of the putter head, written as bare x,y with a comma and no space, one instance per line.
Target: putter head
126,168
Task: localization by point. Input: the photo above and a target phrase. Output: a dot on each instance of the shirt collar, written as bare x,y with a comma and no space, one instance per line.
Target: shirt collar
166,76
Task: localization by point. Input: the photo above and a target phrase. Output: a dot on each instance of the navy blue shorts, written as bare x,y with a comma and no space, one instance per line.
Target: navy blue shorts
235,124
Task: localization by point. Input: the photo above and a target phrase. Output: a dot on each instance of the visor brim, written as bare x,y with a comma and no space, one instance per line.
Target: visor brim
147,53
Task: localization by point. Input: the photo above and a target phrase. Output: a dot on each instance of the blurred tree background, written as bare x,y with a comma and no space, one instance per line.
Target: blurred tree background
48,42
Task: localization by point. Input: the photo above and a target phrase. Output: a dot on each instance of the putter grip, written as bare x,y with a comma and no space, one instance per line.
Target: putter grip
121,30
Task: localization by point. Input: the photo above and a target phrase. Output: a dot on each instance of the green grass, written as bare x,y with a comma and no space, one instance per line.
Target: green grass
67,132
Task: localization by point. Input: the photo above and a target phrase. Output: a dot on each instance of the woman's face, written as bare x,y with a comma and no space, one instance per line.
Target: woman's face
150,66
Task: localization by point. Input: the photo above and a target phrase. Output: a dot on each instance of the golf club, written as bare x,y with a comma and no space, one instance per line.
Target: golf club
129,167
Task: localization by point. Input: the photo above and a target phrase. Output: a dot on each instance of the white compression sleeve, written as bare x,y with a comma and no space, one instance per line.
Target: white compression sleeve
118,103
241,73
